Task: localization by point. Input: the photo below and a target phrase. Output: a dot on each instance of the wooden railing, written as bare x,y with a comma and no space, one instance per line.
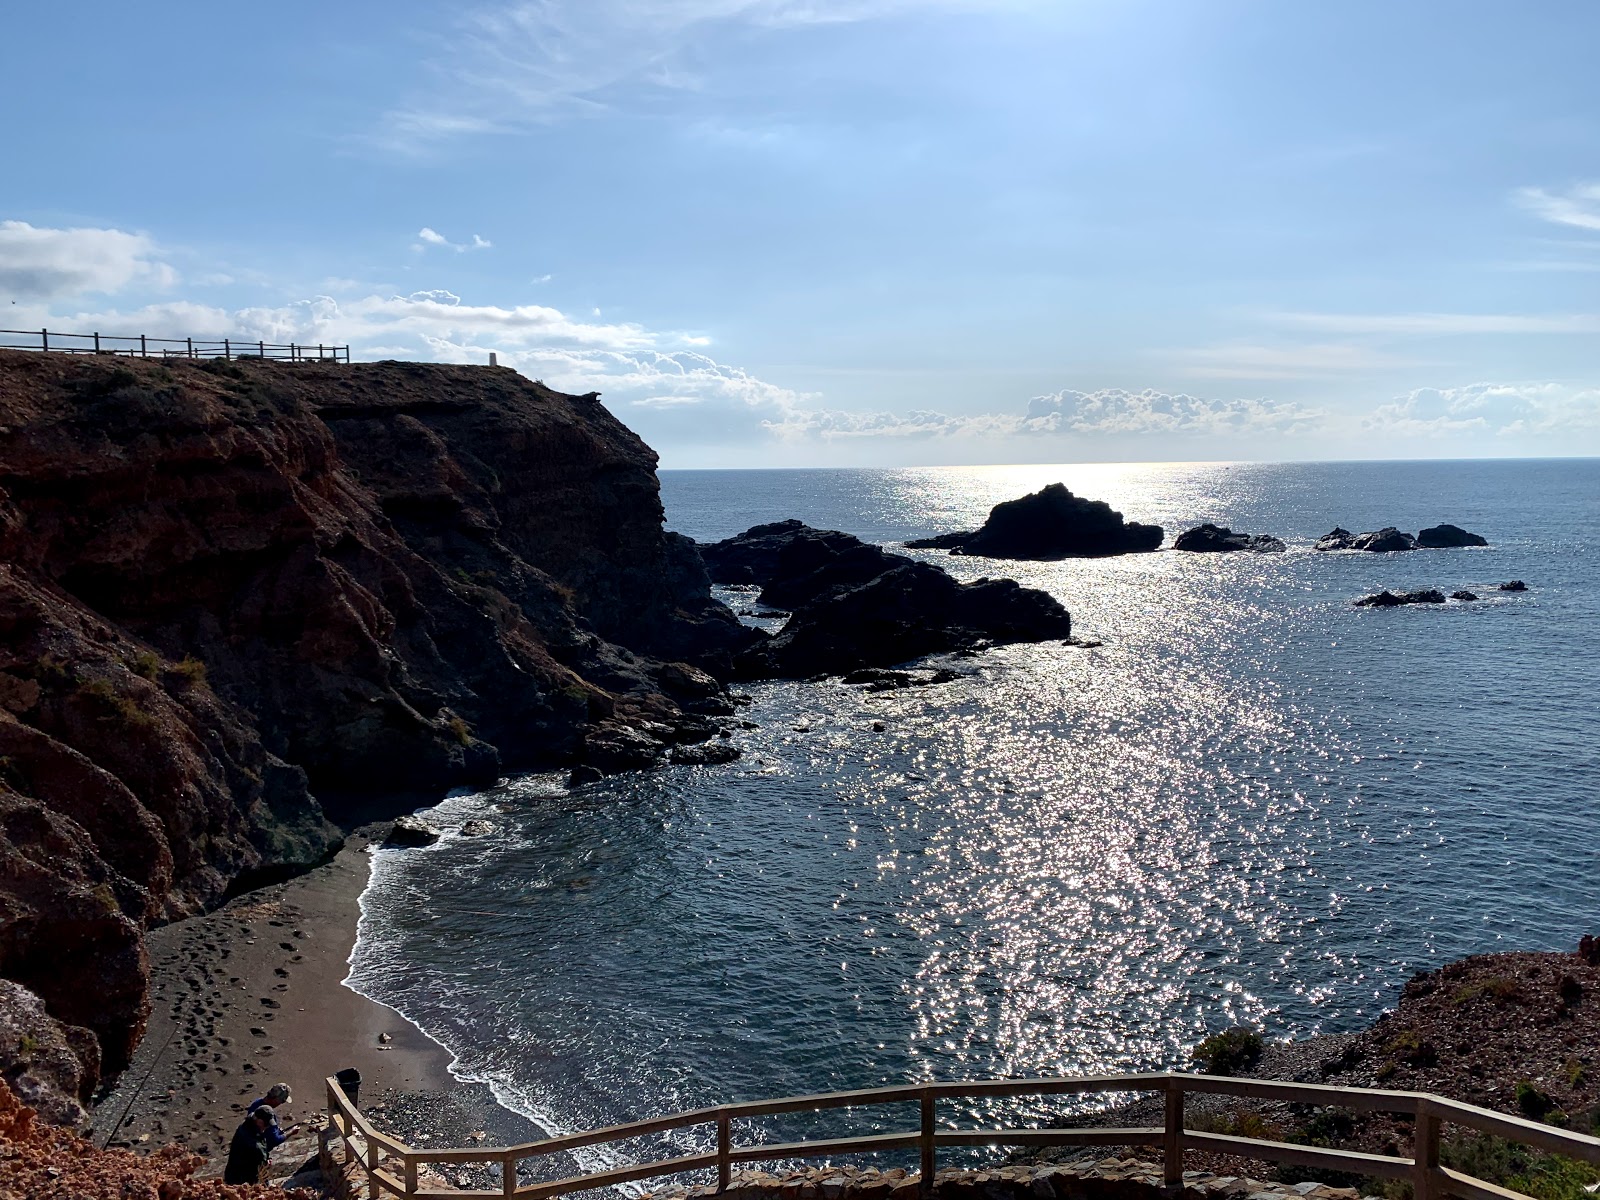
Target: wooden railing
55,342
392,1166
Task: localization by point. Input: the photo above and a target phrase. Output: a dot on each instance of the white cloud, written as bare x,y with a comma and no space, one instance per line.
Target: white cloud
1578,206
428,237
1115,411
43,265
1497,409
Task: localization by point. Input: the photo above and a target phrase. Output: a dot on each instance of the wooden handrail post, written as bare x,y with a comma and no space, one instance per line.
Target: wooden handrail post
724,1148
227,354
1425,1153
508,1174
1172,1139
411,1176
97,341
144,351
44,339
191,346
929,1165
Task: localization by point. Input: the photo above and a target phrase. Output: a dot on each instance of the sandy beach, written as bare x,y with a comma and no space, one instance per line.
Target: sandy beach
253,994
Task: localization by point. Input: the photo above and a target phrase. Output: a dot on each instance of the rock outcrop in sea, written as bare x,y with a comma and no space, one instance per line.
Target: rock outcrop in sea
855,605
1390,539
1219,539
1388,599
229,590
1049,524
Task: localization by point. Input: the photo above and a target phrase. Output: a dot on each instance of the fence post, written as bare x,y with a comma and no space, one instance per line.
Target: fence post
144,351
191,346
411,1176
1172,1138
724,1150
44,339
925,1142
1425,1152
508,1175
374,1161
227,350
262,346
97,341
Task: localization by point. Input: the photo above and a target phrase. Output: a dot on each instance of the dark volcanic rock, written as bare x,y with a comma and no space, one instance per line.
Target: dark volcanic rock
1384,541
856,605
706,755
905,613
1515,585
1387,599
877,680
1446,537
412,831
1218,539
1047,524
1379,542
1337,538
1463,595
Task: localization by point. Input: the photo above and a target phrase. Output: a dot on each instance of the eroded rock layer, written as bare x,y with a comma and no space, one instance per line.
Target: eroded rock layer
229,587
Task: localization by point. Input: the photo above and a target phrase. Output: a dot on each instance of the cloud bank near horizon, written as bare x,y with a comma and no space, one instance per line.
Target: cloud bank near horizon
675,392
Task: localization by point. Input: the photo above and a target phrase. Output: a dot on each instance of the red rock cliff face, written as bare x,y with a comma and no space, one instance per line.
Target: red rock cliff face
228,587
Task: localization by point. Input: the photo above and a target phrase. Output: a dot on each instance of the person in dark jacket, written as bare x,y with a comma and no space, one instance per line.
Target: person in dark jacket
277,1094
251,1146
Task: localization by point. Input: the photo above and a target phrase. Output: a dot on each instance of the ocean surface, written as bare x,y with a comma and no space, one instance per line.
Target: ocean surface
1253,803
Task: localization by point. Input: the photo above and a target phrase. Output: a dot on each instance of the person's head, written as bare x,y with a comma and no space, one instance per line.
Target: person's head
278,1094
263,1117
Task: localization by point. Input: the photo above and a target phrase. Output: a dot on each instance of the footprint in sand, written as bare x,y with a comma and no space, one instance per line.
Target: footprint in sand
258,1031
281,972
286,945
269,1002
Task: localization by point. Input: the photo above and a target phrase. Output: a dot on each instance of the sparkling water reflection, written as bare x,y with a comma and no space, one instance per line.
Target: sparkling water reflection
1252,803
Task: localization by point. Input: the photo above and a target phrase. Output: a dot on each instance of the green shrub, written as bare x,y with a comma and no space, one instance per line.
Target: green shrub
190,669
460,730
115,705
1499,988
1229,1052
1532,1102
146,665
1512,1165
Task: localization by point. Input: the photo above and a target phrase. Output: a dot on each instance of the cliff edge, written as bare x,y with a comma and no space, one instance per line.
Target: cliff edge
234,593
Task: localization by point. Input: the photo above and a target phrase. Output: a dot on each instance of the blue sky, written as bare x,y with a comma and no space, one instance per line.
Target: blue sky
818,232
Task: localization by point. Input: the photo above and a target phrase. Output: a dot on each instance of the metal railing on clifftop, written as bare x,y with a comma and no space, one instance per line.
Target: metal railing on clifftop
54,342
392,1166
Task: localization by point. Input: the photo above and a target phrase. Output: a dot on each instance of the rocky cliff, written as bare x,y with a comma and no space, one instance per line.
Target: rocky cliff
231,590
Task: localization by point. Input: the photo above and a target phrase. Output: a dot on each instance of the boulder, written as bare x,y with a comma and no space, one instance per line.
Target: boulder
707,754
1463,595
1219,539
1337,538
1387,599
1448,537
477,828
1385,540
52,1067
615,748
1515,585
872,679
412,831
1049,524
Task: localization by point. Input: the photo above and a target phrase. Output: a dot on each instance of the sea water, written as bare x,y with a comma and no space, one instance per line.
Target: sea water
1253,803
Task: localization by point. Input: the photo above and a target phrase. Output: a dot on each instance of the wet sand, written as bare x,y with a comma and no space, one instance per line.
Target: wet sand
253,994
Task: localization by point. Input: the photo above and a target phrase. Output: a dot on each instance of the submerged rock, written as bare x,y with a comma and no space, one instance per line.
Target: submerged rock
1515,585
1388,599
1448,537
1463,595
412,831
1219,539
1048,524
875,680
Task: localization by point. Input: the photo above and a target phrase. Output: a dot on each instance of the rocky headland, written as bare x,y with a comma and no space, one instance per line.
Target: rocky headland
238,599
853,605
1051,523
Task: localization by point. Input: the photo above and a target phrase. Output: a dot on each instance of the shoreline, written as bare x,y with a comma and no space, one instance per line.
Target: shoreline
253,994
